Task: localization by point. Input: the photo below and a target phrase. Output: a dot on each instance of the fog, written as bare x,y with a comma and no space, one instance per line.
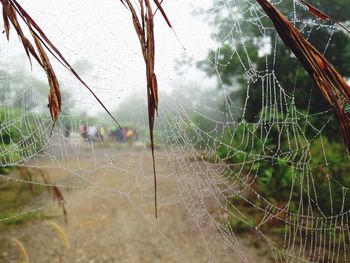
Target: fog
100,41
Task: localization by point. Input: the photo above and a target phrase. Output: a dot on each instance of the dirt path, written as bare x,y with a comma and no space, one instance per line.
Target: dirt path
111,218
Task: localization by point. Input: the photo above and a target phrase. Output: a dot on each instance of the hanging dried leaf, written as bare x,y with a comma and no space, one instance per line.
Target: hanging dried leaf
54,94
152,93
9,14
6,23
145,32
10,10
57,196
313,10
28,174
334,88
159,6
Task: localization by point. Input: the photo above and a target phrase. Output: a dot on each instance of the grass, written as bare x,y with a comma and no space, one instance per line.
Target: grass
21,249
239,226
13,197
61,234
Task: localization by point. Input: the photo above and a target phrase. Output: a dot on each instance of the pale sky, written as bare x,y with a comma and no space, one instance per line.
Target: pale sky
101,34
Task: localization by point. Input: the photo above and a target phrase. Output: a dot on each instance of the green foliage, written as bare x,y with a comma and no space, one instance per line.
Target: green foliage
19,137
275,180
281,178
289,148
9,137
241,144
330,166
198,131
239,226
236,55
332,159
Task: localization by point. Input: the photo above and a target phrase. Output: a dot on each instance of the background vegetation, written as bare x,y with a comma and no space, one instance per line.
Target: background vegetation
291,147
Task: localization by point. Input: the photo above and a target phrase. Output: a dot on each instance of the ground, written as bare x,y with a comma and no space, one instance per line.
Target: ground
111,214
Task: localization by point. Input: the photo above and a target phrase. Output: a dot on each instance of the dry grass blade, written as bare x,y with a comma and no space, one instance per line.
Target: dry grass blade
159,6
6,23
57,195
54,94
313,10
152,88
334,88
123,3
9,14
145,32
10,9
21,248
28,176
155,12
60,232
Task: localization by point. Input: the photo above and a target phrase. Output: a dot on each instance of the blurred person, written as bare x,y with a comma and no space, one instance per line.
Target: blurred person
92,133
83,131
113,133
102,133
129,134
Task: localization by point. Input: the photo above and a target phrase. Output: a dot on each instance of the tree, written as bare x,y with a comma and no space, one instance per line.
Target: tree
251,55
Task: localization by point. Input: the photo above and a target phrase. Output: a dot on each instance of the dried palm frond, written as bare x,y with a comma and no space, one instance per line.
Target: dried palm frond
12,9
144,26
332,85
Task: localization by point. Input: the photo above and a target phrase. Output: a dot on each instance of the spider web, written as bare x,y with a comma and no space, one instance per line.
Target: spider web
210,160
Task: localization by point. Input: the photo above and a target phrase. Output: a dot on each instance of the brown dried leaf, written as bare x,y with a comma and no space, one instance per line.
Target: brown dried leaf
123,3
154,85
10,14
334,88
6,23
57,196
145,33
159,6
150,88
28,175
11,8
29,49
313,10
54,94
